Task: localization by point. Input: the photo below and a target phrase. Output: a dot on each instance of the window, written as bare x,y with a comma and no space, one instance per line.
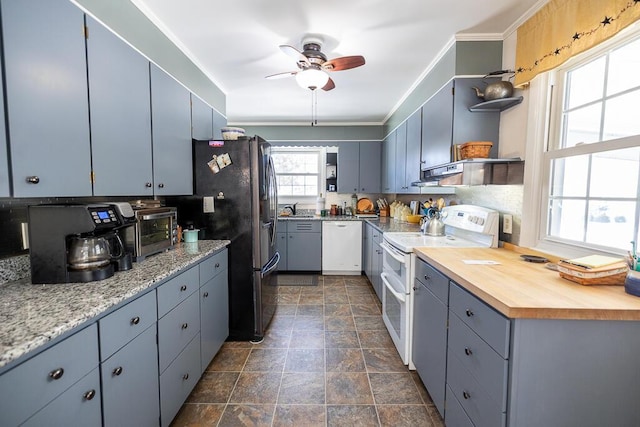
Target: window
594,151
298,171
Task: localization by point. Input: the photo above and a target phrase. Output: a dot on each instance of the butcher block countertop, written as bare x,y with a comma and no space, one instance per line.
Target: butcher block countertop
520,289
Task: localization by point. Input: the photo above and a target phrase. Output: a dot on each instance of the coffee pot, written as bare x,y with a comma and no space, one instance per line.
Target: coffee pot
86,253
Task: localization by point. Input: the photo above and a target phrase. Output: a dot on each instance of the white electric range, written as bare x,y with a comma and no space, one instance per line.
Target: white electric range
466,226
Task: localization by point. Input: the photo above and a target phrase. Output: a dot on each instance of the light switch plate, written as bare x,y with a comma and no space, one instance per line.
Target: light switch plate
507,224
207,205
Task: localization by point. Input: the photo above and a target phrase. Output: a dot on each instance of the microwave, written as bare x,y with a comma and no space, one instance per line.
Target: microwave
155,230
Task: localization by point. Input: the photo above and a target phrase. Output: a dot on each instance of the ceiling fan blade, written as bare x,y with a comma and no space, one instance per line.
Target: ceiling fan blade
294,53
330,85
281,75
343,63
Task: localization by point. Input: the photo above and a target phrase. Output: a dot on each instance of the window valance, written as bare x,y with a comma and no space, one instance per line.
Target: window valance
564,28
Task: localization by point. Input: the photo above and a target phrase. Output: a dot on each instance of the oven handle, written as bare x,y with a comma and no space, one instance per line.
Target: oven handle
394,253
156,216
400,297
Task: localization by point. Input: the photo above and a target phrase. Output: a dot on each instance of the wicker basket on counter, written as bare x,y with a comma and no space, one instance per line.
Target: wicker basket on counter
475,149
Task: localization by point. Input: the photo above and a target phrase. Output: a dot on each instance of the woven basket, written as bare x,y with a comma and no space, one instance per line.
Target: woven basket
475,149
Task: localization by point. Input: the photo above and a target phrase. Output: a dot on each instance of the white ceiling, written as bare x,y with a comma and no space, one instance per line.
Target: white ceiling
236,43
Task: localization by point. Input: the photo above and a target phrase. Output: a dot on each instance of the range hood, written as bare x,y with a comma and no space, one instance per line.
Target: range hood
474,172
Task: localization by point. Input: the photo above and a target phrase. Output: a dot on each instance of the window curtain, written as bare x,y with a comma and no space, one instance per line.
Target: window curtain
564,28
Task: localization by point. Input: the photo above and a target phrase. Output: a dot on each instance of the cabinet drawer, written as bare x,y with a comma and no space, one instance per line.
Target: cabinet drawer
178,380
454,414
177,290
78,406
126,323
433,280
177,328
490,325
304,226
30,386
486,366
210,267
478,405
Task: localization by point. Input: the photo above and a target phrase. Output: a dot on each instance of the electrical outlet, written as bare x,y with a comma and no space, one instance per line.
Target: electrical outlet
507,224
207,205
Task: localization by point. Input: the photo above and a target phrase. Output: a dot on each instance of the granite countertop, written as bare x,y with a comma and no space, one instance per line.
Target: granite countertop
383,223
527,290
33,315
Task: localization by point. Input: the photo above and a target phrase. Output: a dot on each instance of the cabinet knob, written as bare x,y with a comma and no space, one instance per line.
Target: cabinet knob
469,312
148,185
135,320
161,185
466,394
183,288
217,265
33,179
185,325
205,295
89,395
117,371
56,374
468,351
415,288
185,377
427,278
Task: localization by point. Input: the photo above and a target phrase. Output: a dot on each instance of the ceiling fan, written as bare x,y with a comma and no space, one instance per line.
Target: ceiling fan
313,65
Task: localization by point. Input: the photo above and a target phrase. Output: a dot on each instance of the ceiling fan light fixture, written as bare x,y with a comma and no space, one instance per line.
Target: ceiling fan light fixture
312,78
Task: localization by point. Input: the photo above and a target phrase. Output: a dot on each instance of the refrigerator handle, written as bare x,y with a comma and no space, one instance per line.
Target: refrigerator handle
273,184
271,265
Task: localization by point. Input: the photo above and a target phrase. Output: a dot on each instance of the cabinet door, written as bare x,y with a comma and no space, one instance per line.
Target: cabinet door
281,247
120,115
401,158
348,167
219,121
201,119
437,128
171,130
388,163
78,406
5,190
46,93
366,250
214,317
304,252
412,153
430,342
130,385
369,170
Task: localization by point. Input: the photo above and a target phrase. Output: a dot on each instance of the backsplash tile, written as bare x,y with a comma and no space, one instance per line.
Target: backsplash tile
14,268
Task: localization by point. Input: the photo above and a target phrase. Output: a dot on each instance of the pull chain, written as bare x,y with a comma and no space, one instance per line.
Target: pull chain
314,108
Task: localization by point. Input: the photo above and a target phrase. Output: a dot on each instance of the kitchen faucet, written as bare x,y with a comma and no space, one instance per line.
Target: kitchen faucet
292,208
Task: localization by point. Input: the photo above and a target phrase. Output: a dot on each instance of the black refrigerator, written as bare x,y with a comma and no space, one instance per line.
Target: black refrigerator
239,176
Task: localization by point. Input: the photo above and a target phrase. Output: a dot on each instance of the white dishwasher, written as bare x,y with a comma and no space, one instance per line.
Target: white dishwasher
342,247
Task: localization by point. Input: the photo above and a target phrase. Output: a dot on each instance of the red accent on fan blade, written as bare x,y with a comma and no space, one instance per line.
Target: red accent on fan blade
281,75
343,63
330,85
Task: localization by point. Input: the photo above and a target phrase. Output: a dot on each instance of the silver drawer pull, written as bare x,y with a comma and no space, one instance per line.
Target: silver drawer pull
468,351
469,312
183,288
135,320
56,374
89,395
466,394
185,377
117,371
185,325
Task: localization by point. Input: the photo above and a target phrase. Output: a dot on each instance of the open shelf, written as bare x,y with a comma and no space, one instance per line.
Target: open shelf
496,104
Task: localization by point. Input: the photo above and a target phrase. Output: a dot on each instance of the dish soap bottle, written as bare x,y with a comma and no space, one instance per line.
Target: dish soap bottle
319,204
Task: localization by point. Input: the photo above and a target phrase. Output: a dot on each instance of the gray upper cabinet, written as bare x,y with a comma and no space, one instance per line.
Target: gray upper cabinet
5,190
46,93
413,151
171,130
201,119
119,100
219,121
388,163
401,153
446,120
359,167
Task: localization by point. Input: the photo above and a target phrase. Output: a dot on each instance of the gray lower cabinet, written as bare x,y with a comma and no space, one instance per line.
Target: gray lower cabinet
171,130
46,82
119,100
281,244
32,385
304,245
130,383
372,257
214,306
429,350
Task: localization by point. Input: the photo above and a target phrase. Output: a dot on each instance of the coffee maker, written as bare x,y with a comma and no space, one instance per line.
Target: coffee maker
70,242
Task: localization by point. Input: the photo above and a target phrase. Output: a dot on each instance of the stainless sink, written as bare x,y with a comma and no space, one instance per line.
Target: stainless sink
296,216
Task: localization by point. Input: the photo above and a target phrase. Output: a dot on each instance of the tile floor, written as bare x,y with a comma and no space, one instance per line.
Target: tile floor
326,360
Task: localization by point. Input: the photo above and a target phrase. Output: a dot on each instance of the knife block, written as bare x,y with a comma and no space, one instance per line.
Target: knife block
385,211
